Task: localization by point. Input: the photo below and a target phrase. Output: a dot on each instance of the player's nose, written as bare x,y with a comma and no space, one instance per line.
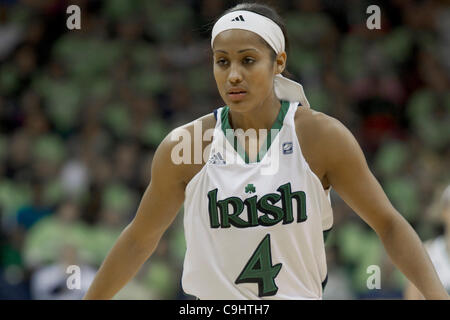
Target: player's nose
235,75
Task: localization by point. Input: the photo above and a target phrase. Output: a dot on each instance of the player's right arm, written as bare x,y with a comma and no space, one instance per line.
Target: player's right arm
157,210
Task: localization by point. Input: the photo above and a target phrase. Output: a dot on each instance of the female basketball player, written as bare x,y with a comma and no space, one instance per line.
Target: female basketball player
253,233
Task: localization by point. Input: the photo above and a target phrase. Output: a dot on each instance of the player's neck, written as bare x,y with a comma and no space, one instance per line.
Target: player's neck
262,117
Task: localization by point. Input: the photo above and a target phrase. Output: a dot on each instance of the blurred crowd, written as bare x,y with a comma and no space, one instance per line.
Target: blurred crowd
82,111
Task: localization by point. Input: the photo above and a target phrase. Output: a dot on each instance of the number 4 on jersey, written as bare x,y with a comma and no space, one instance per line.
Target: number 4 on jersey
259,269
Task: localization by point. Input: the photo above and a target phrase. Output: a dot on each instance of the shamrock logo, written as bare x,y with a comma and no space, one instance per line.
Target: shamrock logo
250,188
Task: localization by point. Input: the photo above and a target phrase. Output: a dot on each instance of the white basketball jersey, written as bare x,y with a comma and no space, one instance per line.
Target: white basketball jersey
439,255
256,230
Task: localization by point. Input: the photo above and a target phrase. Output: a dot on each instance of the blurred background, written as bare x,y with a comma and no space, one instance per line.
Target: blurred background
82,111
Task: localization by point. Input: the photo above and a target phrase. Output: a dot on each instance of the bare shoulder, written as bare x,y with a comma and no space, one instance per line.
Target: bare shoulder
180,154
321,139
317,124
203,123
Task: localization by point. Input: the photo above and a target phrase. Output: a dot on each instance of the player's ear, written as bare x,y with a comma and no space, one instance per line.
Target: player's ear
280,62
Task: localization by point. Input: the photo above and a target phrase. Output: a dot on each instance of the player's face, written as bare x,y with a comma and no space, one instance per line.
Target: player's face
243,68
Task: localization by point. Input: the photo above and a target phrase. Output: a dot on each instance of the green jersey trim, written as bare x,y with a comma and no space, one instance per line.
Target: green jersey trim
326,233
277,125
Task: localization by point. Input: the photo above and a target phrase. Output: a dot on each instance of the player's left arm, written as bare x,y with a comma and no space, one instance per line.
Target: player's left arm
348,173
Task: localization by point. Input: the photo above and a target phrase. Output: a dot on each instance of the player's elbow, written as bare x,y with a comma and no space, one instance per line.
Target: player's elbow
140,243
392,224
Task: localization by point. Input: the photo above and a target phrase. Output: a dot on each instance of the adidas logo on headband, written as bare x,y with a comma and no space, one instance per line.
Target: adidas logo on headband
240,18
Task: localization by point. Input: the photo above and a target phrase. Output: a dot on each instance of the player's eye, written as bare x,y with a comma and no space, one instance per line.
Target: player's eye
222,62
248,60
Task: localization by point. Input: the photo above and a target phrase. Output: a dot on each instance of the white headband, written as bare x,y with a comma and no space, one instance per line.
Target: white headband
285,89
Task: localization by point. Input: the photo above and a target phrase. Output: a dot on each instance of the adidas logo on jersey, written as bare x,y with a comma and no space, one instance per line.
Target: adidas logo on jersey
220,215
240,18
217,159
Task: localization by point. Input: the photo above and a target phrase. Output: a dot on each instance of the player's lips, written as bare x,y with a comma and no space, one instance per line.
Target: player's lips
236,93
